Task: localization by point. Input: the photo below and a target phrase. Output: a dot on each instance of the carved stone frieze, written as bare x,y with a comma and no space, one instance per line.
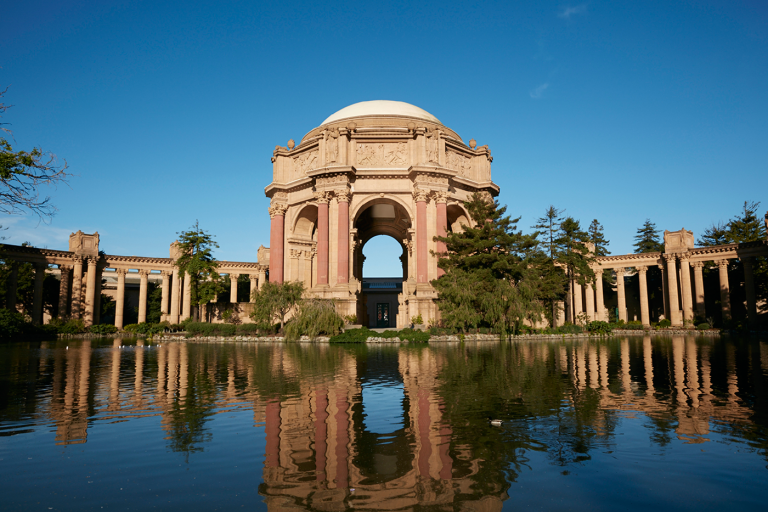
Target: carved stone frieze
306,161
427,179
459,162
327,181
385,154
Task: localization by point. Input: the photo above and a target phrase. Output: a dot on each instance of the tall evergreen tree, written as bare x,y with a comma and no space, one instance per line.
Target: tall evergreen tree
647,238
597,237
197,262
552,277
548,227
489,251
574,255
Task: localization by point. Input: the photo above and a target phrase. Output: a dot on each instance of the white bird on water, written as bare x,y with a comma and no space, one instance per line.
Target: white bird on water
495,423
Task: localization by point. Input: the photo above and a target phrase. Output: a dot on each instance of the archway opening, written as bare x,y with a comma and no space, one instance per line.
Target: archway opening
384,270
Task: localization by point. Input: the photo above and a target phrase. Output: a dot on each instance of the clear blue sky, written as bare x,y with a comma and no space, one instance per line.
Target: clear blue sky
169,111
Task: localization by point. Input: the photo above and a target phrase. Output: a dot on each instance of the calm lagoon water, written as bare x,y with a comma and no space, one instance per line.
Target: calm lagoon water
676,423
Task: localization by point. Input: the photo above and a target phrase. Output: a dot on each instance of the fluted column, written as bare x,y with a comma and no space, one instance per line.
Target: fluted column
342,274
749,289
120,298
76,309
166,287
674,308
599,299
90,291
187,307
685,285
441,199
698,280
645,317
725,291
262,275
37,300
66,273
254,287
322,238
664,291
143,281
174,314
276,242
420,196
233,288
589,295
620,292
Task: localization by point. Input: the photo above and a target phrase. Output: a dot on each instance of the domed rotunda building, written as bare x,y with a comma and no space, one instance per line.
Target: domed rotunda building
372,168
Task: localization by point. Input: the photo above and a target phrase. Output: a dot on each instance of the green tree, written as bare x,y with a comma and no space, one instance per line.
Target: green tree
197,262
483,254
745,227
647,239
597,237
274,302
575,257
23,173
552,276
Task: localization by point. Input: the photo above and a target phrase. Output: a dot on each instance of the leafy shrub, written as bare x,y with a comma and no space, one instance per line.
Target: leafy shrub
353,336
14,327
314,317
208,329
103,329
72,326
248,329
417,320
483,330
411,335
175,327
665,323
130,327
598,327
703,326
350,319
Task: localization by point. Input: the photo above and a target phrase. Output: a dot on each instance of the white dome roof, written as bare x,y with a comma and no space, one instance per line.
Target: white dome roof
379,108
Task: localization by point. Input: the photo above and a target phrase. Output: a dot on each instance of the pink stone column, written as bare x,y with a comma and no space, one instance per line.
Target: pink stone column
276,240
322,240
343,248
622,298
442,226
421,236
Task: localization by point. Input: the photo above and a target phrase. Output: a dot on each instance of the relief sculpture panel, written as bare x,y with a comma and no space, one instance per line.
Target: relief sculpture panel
382,155
460,163
306,161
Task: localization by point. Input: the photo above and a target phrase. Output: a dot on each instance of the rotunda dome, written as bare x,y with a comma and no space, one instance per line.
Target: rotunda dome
381,108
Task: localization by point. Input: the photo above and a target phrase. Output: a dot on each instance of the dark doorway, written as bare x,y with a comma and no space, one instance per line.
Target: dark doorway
382,314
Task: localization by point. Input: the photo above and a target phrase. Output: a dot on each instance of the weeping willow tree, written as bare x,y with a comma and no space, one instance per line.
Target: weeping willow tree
314,317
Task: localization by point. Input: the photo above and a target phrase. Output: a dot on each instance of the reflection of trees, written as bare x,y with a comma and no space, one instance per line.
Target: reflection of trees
188,415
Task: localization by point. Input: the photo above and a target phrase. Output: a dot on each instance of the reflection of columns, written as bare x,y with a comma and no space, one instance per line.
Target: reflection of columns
120,298
674,308
749,289
599,301
233,287
589,295
37,301
685,285
342,439
143,277
644,316
276,240
725,292
321,433
698,280
621,293
90,291
77,288
272,428
442,224
254,287
342,274
421,235
678,371
66,273
692,371
648,364
322,239
166,288
10,292
174,314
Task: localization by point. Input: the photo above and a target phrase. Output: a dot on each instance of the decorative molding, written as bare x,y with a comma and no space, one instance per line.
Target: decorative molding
306,161
459,162
335,179
430,179
384,154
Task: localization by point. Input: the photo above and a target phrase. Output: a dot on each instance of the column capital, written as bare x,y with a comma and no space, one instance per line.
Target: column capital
343,195
322,197
143,272
441,197
77,260
670,258
620,271
420,194
65,269
233,276
253,277
93,260
642,269
661,267
697,264
277,210
166,273
121,271
295,253
722,263
684,257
